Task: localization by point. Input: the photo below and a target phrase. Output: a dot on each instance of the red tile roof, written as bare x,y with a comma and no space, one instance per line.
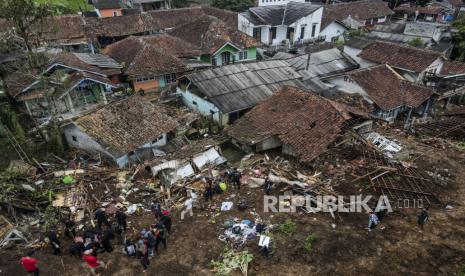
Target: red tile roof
411,8
299,118
452,68
122,126
396,55
388,89
150,56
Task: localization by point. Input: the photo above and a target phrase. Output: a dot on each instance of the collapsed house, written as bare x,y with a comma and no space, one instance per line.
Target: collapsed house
147,66
303,124
72,83
219,44
123,132
412,63
225,93
386,89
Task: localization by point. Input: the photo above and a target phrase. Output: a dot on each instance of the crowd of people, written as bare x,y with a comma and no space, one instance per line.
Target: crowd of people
92,241
98,239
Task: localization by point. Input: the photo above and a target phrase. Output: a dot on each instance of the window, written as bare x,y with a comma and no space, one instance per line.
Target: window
314,29
74,138
302,32
170,78
273,32
157,140
115,13
243,55
194,102
257,33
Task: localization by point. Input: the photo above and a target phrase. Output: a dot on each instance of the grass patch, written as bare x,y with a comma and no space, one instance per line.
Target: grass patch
460,145
288,227
67,6
308,243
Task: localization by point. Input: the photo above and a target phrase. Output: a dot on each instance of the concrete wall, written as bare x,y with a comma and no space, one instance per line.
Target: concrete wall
332,30
148,86
83,141
203,107
267,144
281,31
110,12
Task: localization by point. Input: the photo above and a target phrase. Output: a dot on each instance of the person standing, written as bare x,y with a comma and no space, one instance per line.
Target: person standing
160,233
188,208
106,240
236,178
101,218
151,240
54,242
209,190
268,186
423,217
30,264
372,221
92,262
142,253
121,219
156,209
166,220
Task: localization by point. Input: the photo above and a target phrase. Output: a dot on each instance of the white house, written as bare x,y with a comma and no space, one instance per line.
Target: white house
282,24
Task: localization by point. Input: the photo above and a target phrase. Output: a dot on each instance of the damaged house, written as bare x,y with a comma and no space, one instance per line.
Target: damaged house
124,132
147,66
225,93
282,24
390,93
303,124
219,44
412,63
72,83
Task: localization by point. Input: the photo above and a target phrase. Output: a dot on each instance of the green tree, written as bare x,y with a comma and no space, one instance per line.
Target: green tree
417,42
179,4
22,17
233,5
459,38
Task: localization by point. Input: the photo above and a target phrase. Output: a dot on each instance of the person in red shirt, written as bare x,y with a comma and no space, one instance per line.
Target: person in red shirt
30,264
92,261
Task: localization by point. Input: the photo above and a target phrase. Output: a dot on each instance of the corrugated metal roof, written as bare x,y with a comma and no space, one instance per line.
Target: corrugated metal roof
280,14
98,60
322,64
241,86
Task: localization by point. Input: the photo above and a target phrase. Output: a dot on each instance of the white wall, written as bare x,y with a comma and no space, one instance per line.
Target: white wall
202,106
332,30
353,53
281,31
308,21
83,141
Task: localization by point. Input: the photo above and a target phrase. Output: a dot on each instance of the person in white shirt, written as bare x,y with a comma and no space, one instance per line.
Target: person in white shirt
188,205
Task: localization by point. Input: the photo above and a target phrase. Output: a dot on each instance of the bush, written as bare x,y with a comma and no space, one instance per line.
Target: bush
288,227
308,243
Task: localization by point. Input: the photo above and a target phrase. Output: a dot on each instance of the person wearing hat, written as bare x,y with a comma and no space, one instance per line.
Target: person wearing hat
92,262
166,220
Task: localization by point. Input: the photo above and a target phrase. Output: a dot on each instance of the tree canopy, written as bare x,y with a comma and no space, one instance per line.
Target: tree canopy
233,5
